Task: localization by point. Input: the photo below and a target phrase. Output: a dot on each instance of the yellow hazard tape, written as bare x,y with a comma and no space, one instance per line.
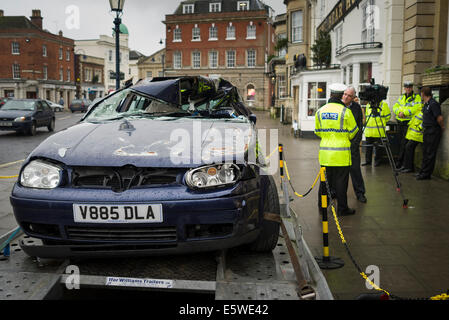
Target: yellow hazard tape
272,152
8,177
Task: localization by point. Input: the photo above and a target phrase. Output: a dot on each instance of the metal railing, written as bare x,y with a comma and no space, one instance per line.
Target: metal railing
357,46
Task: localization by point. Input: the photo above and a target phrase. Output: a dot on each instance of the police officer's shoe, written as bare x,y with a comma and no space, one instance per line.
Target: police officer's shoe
377,163
421,177
366,164
405,170
347,212
362,198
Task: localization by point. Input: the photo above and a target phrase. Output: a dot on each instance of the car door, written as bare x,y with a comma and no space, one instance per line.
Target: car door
39,116
48,112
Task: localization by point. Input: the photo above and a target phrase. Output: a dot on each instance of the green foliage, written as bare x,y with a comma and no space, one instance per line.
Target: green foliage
281,44
322,49
437,68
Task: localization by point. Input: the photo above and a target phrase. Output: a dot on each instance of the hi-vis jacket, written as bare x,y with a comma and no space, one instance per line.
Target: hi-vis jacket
336,127
409,106
371,130
415,129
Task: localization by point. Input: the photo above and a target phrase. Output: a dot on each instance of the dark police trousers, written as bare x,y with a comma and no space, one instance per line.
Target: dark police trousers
431,137
402,132
409,158
369,150
356,172
338,178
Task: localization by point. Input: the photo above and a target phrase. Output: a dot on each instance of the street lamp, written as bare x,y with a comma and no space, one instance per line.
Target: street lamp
117,6
162,60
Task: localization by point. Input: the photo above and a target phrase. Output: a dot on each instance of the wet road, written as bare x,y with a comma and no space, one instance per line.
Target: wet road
16,146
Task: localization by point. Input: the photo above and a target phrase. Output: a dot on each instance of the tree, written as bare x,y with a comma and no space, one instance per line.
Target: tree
322,49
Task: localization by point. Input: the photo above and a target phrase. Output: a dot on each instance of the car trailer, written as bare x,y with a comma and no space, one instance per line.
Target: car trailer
233,274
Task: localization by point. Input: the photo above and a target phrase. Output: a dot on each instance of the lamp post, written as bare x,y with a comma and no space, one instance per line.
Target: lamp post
117,6
162,60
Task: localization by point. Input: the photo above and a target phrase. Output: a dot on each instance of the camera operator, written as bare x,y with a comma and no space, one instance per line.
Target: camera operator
404,109
348,99
377,118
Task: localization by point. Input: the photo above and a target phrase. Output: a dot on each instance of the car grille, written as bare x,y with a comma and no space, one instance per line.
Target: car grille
124,178
122,233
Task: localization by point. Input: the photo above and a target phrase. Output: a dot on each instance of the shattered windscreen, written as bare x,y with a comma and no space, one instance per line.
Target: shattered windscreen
222,103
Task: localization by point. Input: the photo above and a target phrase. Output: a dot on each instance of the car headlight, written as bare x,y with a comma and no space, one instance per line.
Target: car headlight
20,119
41,175
213,176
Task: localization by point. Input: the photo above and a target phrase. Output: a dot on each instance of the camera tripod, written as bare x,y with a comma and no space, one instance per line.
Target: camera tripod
385,144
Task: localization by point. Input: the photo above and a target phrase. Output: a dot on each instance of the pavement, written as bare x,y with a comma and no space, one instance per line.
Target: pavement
408,246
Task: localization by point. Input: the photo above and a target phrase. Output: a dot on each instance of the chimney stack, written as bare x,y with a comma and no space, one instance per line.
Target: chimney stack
60,33
36,18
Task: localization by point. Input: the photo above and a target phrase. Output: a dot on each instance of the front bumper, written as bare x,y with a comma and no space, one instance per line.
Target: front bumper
202,222
17,126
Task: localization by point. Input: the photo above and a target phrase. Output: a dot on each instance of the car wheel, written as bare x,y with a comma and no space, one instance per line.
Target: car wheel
32,130
269,234
51,126
59,110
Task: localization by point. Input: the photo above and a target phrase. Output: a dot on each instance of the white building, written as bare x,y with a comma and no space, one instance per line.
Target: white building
104,47
364,36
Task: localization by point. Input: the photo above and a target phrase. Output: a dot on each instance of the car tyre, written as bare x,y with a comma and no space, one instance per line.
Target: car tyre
51,126
32,130
268,237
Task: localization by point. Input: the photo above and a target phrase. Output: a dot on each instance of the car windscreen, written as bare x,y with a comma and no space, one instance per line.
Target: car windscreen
128,103
19,105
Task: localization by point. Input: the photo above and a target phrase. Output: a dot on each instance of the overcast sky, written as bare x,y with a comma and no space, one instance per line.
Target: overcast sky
142,17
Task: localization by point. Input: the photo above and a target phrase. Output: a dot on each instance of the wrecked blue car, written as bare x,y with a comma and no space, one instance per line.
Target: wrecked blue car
167,166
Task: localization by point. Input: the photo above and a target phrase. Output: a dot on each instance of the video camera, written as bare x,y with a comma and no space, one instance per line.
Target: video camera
373,93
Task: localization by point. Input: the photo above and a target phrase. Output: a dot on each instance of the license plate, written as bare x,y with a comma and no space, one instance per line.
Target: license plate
5,124
142,213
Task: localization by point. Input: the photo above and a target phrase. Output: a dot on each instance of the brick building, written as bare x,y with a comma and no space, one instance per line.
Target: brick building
229,39
34,62
89,77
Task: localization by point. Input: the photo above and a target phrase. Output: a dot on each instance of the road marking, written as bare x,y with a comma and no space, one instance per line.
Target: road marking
65,118
11,163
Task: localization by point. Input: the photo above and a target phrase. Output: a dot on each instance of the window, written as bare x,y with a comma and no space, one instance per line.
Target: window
213,59
344,75
251,31
196,59
15,48
61,74
251,58
44,50
351,73
282,51
45,73
368,23
250,92
230,32
149,74
16,71
297,24
213,32
160,73
177,34
196,35
177,62
230,59
282,88
215,7
366,72
87,74
68,75
316,97
67,55
110,55
242,5
60,53
188,8
338,37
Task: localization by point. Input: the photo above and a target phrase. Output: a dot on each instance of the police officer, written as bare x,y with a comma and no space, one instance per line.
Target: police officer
336,126
433,125
358,184
414,137
375,130
404,109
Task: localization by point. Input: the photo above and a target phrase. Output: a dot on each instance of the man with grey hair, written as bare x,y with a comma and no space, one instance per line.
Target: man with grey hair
356,173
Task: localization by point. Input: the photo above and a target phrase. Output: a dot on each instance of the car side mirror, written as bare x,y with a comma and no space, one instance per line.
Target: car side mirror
253,118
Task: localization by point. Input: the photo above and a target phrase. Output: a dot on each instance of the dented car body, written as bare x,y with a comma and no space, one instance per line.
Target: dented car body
165,166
